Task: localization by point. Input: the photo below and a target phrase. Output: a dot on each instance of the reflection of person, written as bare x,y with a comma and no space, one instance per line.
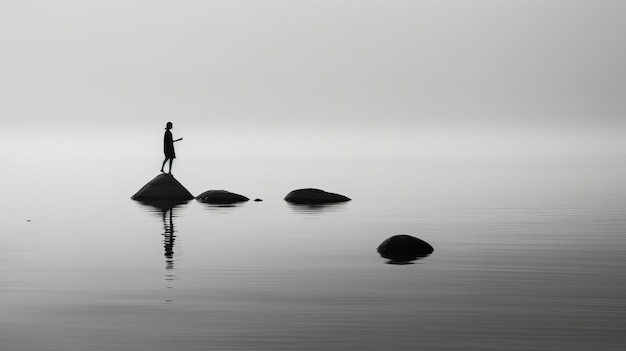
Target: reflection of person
168,237
168,146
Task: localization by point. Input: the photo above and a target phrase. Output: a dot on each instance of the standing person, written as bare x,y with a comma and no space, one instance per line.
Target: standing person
168,146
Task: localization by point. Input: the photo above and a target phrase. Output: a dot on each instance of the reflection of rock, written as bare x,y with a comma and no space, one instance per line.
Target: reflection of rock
163,187
162,205
220,197
316,208
404,248
314,196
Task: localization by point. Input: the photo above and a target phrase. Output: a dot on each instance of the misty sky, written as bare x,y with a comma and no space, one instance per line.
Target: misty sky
347,78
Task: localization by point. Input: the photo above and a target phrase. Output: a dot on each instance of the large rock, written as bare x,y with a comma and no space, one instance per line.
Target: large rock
163,187
404,248
220,197
312,196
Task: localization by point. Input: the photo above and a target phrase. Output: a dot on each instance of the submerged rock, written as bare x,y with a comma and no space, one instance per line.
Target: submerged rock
404,248
312,196
163,187
220,197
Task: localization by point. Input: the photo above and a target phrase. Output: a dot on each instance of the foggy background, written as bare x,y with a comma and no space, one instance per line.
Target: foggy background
255,79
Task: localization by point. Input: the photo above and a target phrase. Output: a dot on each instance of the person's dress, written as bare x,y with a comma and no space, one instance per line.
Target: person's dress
168,145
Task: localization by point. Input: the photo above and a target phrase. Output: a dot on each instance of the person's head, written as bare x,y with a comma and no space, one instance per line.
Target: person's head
169,125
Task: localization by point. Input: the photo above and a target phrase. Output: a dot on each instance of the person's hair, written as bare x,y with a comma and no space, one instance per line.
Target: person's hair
168,125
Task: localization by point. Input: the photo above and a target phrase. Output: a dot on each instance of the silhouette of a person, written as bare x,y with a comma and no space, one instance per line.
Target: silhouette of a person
168,146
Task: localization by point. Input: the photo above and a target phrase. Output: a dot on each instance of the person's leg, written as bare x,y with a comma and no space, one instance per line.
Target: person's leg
163,165
171,161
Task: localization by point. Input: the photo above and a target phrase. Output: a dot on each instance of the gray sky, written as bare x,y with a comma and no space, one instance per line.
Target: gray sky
313,78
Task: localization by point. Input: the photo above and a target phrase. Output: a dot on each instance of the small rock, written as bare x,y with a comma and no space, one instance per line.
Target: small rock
312,196
221,197
257,200
404,248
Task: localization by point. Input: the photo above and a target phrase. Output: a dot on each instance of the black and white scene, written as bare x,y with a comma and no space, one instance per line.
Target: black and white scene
313,175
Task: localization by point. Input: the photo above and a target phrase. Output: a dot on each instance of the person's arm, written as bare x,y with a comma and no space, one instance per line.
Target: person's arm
178,139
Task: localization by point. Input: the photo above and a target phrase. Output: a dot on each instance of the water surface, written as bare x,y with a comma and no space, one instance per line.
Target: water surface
528,255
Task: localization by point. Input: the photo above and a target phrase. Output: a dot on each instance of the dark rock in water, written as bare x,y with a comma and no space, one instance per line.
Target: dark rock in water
312,196
257,200
163,188
220,197
404,248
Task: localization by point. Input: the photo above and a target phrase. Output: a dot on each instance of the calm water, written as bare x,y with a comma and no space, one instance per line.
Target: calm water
528,256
